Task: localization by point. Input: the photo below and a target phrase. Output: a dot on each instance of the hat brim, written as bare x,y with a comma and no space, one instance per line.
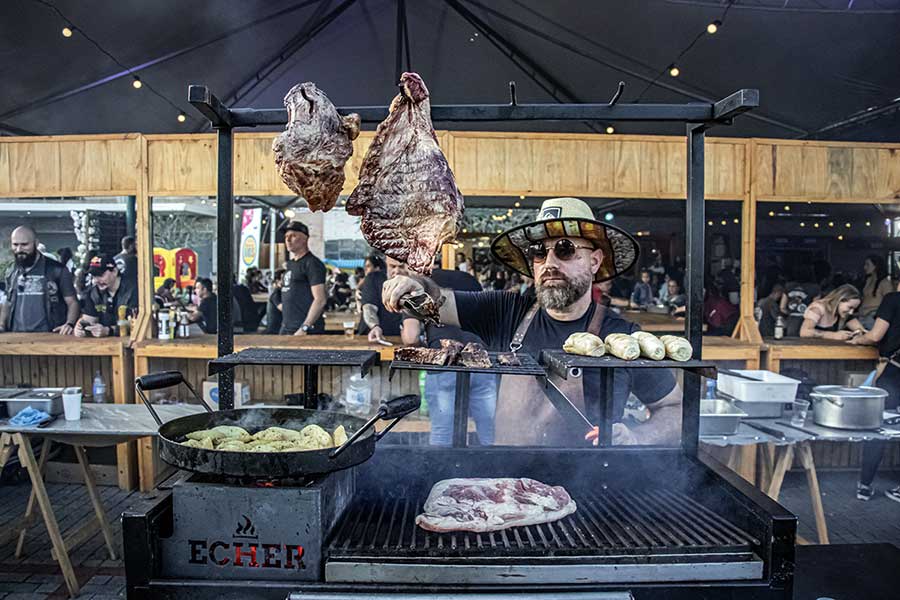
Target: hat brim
620,249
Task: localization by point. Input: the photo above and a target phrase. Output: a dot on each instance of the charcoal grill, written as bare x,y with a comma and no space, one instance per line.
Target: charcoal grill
652,523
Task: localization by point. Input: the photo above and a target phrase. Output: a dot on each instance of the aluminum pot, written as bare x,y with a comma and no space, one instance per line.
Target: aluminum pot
848,407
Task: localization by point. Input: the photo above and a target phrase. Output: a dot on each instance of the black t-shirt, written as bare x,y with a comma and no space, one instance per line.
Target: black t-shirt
371,294
458,281
209,307
105,306
889,310
495,316
127,264
273,315
296,293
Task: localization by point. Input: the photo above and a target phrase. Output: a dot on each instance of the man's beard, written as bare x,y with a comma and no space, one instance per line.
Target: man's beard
559,297
25,260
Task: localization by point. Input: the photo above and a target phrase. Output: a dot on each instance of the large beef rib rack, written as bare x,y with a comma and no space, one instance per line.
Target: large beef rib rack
406,196
311,152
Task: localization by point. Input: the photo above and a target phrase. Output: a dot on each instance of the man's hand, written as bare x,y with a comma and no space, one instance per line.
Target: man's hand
841,336
396,288
300,332
97,330
79,330
64,329
376,334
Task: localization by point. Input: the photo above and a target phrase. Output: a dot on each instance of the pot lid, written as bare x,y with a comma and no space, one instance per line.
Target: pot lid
849,392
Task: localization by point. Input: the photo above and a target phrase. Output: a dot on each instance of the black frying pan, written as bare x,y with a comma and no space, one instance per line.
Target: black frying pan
267,465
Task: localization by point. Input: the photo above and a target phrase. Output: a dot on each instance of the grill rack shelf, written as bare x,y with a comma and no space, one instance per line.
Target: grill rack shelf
565,365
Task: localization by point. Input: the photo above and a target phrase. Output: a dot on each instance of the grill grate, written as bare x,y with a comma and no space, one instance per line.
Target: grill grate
623,522
527,366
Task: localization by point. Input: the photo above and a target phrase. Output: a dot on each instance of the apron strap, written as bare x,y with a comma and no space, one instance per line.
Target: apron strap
519,336
597,320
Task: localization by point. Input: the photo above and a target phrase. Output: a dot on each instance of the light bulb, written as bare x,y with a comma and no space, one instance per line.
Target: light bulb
786,207
868,223
802,224
840,237
713,27
816,225
517,204
67,32
710,223
847,225
771,213
724,222
137,83
182,118
610,129
736,220
521,197
674,71
831,223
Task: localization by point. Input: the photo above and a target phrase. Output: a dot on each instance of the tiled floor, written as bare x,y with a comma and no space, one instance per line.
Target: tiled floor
37,577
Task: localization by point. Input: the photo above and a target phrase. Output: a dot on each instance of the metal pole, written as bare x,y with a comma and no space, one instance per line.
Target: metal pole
461,410
694,219
225,260
273,217
130,215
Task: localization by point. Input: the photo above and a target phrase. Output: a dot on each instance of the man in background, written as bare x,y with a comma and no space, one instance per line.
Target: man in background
40,291
376,321
273,312
303,296
126,260
102,300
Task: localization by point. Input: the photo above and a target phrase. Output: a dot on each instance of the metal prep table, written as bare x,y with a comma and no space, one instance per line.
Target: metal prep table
100,425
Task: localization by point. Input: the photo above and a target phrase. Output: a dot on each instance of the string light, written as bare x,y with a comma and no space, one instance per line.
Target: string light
517,204
610,129
787,208
710,223
674,71
182,117
724,222
802,224
67,32
840,237
771,213
713,27
847,225
868,223
136,84
831,223
521,197
816,225
465,231
736,220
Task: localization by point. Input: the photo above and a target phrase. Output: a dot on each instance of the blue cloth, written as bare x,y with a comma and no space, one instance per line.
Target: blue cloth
28,417
440,390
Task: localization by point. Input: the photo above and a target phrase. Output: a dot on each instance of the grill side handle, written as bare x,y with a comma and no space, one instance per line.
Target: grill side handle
158,381
395,409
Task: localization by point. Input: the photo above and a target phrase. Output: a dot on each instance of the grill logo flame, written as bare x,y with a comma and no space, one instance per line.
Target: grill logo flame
245,529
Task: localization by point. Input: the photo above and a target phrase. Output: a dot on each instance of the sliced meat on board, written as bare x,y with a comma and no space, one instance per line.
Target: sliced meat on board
311,152
482,505
406,196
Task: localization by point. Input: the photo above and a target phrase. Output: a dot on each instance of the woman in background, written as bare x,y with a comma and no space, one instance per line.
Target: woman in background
877,285
885,334
831,318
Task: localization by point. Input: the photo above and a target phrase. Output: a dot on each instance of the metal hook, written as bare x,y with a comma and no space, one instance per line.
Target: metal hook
513,101
618,94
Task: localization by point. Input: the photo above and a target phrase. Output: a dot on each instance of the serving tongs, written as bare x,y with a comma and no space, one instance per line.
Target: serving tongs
421,306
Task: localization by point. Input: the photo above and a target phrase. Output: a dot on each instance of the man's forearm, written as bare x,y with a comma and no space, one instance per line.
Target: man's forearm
72,311
662,428
370,315
4,314
314,312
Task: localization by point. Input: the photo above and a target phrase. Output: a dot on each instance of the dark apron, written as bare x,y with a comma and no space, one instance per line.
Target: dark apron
525,417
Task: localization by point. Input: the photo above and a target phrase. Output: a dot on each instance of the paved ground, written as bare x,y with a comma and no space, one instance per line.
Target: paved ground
36,576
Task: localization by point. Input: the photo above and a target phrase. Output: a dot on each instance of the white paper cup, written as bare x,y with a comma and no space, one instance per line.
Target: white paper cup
72,404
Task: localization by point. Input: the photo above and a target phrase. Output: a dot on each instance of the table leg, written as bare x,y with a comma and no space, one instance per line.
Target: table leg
123,385
146,457
766,465
6,449
783,463
43,500
804,451
29,510
91,486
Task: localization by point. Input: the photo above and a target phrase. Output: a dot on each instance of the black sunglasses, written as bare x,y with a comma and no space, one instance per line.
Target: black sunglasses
563,249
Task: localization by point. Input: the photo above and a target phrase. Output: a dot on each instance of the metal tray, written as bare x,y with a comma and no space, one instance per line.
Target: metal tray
719,417
48,400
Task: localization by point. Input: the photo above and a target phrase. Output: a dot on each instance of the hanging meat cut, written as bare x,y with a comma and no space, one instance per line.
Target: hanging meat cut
406,196
482,505
311,152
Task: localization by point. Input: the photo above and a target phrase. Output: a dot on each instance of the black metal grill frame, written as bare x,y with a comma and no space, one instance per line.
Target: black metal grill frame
527,366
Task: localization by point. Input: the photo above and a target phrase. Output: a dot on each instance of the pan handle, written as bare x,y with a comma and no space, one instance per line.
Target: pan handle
158,381
395,409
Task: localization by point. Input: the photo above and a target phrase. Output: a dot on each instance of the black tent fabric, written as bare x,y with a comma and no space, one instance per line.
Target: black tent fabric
815,62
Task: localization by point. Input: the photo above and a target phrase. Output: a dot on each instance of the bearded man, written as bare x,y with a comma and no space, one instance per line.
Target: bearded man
565,250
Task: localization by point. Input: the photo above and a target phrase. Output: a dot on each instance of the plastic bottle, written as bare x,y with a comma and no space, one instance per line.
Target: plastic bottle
358,397
123,323
779,327
710,389
423,407
99,388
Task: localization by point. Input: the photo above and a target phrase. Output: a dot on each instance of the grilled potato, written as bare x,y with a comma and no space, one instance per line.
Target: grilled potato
313,437
276,434
206,443
232,446
339,435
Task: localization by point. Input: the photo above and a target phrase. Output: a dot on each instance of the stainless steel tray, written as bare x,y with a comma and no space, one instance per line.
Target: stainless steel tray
719,417
48,400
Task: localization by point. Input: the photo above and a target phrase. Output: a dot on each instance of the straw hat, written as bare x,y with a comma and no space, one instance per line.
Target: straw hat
568,217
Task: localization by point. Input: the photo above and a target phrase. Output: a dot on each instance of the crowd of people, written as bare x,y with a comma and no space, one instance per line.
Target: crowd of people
41,293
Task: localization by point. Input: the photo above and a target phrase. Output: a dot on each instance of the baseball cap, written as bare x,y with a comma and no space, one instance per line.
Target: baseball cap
297,226
101,263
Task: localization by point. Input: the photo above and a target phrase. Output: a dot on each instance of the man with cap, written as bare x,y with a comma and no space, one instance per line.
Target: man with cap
564,250
40,290
108,291
303,295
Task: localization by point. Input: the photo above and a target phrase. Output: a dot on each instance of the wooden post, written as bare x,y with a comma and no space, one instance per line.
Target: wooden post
747,328
448,256
123,386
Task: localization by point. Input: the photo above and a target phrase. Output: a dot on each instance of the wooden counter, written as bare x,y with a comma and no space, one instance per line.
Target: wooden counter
720,347
776,351
204,346
53,360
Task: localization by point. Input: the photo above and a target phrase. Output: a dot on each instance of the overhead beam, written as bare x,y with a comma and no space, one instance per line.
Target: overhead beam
13,130
859,118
